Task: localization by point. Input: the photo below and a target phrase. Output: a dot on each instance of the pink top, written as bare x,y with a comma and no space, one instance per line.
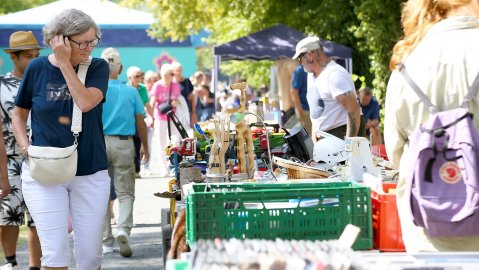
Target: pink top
161,93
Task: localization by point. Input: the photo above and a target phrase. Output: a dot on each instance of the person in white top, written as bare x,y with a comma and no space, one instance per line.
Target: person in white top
440,51
331,93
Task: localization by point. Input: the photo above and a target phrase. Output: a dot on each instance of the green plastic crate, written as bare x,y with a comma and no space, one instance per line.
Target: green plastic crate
288,211
245,186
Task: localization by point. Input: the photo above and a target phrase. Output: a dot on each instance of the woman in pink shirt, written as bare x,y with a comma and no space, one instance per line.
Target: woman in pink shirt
163,90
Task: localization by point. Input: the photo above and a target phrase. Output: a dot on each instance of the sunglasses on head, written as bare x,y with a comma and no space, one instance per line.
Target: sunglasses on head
301,56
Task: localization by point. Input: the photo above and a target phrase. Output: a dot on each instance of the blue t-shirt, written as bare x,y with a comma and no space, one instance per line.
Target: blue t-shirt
300,81
120,109
44,91
371,111
205,111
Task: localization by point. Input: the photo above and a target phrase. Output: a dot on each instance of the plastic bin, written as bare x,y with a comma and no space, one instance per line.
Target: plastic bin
177,265
386,226
314,211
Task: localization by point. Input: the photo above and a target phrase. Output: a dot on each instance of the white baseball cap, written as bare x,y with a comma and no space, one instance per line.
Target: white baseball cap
307,44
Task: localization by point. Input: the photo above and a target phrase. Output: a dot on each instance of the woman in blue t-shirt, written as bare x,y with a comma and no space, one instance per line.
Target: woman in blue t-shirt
49,87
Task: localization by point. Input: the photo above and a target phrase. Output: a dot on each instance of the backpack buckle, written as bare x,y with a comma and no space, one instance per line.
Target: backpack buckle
439,132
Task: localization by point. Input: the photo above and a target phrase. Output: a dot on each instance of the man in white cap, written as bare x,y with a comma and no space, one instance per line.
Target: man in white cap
122,116
331,93
23,48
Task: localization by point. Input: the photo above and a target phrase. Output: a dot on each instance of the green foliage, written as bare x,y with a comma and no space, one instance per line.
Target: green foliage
369,27
204,58
9,6
256,72
359,80
378,31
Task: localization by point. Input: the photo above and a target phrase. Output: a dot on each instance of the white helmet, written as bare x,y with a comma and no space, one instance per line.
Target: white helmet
329,149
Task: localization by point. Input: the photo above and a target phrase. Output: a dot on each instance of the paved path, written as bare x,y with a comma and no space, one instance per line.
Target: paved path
146,234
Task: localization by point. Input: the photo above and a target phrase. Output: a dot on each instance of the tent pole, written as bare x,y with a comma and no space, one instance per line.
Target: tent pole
216,66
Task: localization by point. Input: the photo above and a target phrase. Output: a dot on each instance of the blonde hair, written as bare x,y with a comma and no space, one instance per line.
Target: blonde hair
417,17
150,74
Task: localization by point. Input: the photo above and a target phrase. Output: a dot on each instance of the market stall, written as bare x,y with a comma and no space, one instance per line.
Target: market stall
275,43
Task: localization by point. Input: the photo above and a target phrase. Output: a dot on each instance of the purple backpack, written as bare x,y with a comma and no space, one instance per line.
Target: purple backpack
442,183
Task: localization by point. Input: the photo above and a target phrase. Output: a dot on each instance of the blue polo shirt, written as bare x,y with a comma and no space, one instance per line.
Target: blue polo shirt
45,93
120,109
300,81
371,111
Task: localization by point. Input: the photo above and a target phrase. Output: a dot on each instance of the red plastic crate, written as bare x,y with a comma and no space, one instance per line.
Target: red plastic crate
387,235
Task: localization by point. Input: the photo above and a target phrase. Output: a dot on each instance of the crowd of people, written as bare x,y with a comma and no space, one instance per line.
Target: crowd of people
122,128
125,126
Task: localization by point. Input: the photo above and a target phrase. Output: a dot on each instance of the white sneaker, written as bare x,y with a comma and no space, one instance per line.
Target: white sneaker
8,266
107,249
124,243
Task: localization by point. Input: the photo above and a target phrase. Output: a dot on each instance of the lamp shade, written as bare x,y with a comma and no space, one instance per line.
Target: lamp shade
236,117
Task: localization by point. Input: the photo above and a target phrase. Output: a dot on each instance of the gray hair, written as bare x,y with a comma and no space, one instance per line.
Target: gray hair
68,23
132,70
175,65
165,68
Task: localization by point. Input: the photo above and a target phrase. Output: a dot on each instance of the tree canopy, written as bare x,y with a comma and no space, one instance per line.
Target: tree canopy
9,6
370,27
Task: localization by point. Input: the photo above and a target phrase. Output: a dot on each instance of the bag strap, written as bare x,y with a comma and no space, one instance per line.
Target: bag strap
171,88
417,90
471,93
77,114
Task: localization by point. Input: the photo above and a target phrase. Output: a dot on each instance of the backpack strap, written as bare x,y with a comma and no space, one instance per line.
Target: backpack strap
471,94
417,90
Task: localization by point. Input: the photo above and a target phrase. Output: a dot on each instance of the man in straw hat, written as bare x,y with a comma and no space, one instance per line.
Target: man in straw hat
23,48
331,93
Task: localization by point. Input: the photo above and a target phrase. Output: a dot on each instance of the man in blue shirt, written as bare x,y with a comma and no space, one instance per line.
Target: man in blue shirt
122,114
370,109
299,89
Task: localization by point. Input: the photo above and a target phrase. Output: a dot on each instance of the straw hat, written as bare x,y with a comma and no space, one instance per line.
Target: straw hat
22,40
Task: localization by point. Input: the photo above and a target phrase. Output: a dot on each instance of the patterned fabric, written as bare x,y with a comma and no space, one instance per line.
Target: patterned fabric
8,91
12,207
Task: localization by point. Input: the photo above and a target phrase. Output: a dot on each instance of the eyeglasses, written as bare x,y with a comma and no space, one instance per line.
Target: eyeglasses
137,76
84,45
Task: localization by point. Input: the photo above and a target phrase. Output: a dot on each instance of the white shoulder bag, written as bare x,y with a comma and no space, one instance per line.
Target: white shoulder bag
56,165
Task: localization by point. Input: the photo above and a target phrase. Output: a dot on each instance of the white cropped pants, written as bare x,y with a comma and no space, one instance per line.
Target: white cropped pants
85,198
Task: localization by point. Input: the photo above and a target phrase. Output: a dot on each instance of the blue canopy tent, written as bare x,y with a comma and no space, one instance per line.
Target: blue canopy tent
274,43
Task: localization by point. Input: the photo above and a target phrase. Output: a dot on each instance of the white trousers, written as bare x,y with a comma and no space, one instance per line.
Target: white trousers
85,198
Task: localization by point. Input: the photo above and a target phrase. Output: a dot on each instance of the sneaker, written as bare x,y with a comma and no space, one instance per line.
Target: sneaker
9,266
107,249
124,243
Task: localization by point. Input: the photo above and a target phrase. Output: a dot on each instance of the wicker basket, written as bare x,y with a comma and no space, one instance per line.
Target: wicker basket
300,171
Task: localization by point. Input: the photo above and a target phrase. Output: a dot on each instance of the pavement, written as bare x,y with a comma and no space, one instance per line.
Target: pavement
145,238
